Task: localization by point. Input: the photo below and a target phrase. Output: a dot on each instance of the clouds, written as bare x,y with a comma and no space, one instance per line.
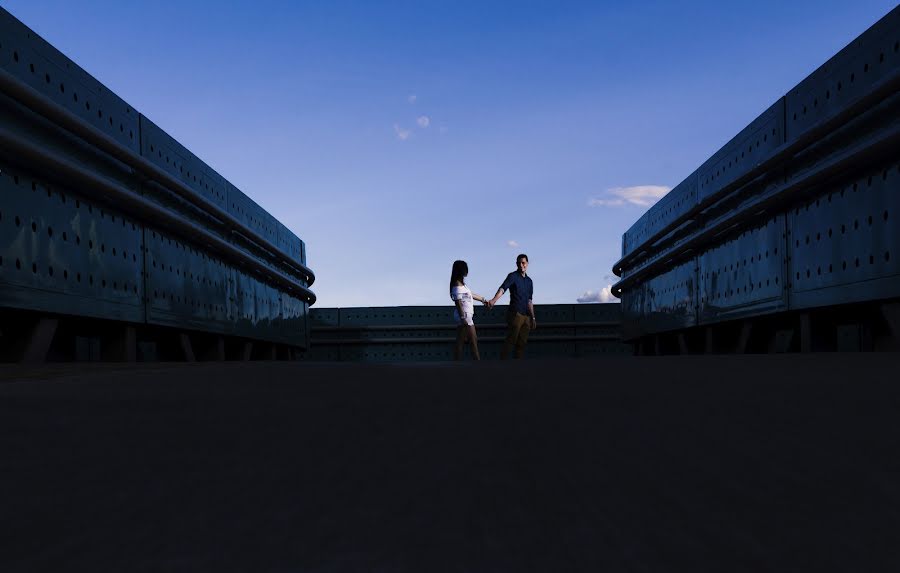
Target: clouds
512,244
402,134
602,295
421,122
640,195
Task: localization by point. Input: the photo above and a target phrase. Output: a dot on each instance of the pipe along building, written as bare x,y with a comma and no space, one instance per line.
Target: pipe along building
117,243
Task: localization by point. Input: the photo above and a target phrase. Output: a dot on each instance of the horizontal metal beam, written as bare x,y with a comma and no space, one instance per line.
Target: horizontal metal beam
62,117
392,327
444,340
25,151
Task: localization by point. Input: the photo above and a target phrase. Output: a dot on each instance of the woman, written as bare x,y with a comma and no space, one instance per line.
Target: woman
464,314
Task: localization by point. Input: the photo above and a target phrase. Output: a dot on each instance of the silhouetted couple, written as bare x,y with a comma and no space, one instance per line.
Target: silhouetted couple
520,318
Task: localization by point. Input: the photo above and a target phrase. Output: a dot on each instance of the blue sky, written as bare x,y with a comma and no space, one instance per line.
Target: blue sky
396,137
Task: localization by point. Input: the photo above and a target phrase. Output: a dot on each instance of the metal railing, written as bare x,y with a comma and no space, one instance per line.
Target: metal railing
428,333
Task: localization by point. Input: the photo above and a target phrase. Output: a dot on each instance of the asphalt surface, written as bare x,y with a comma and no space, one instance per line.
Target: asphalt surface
757,463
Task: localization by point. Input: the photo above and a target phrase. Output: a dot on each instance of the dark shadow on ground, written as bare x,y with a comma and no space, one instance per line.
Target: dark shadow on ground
757,463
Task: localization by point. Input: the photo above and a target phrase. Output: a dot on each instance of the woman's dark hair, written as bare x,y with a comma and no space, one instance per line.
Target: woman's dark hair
459,272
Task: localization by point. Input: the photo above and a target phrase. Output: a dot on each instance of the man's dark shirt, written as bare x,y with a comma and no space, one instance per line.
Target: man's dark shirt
520,290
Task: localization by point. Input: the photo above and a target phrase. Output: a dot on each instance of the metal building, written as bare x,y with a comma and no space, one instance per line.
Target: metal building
116,242
787,238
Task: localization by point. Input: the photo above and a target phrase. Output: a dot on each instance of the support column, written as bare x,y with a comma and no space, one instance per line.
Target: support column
781,341
247,352
186,347
39,343
682,344
129,341
805,333
891,314
744,339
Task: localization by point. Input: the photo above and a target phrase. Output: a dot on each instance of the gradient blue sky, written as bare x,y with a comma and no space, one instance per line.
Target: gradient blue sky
534,109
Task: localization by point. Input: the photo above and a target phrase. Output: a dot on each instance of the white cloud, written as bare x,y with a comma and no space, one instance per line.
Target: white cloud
512,244
423,121
402,134
606,202
640,195
603,295
412,98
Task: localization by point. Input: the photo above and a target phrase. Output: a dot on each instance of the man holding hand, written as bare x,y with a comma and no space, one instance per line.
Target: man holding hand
520,317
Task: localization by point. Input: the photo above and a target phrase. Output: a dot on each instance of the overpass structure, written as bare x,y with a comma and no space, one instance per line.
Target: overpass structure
787,238
116,242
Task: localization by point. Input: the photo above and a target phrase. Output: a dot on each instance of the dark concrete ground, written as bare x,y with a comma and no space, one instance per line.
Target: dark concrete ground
757,463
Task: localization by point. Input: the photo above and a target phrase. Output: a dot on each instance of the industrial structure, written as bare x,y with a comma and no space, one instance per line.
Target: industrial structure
787,238
427,333
118,243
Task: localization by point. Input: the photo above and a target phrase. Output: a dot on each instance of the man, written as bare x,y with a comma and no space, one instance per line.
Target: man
520,317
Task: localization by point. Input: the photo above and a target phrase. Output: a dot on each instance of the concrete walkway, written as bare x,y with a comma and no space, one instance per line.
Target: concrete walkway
753,463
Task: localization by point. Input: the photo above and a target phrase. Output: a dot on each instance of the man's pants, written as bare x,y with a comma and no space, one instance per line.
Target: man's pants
519,326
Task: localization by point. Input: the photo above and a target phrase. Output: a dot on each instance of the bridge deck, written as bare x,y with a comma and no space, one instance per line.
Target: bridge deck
738,463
